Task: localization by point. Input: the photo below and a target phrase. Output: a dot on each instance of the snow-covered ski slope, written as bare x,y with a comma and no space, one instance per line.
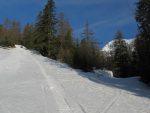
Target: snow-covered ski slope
30,83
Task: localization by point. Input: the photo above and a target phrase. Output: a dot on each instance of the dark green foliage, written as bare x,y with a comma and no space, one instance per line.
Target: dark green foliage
108,61
1,34
1,28
143,16
66,50
76,57
45,31
66,43
10,33
143,54
121,57
142,43
87,55
27,36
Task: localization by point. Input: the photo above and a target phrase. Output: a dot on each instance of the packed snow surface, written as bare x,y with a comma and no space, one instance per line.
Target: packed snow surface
30,83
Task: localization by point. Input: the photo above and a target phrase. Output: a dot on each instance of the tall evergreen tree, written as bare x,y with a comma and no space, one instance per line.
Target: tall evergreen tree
1,34
76,56
1,26
15,33
4,37
1,29
121,57
27,36
45,31
142,42
88,53
66,42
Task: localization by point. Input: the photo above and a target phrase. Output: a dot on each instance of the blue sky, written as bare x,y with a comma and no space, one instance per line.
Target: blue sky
106,17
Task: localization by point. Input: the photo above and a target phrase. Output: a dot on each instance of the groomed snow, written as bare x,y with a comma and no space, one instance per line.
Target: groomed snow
30,83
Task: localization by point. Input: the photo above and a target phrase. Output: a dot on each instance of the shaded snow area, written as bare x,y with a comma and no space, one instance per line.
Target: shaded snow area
30,83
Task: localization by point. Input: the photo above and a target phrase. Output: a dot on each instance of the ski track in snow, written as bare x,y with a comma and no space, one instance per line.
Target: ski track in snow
63,107
59,93
114,100
30,83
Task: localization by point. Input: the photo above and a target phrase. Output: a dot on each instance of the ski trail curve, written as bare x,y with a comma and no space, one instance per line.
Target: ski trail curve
55,89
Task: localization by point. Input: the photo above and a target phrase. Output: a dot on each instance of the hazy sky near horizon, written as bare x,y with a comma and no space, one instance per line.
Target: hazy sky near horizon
105,17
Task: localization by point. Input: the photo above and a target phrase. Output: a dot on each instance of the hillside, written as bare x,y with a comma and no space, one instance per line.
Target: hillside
31,83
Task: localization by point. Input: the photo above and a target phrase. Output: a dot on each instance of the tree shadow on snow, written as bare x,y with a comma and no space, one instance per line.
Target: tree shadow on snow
131,85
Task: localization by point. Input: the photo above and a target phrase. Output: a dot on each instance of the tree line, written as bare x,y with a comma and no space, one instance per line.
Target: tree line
52,35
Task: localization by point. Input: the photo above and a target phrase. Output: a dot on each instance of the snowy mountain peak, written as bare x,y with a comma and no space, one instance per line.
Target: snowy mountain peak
109,45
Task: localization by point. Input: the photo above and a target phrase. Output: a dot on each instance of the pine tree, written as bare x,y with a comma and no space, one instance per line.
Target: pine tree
15,33
1,30
27,36
1,34
88,53
38,34
66,42
121,57
1,26
11,33
142,42
76,56
45,31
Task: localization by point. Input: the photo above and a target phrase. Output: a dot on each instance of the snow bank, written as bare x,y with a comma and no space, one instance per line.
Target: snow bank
104,73
20,46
